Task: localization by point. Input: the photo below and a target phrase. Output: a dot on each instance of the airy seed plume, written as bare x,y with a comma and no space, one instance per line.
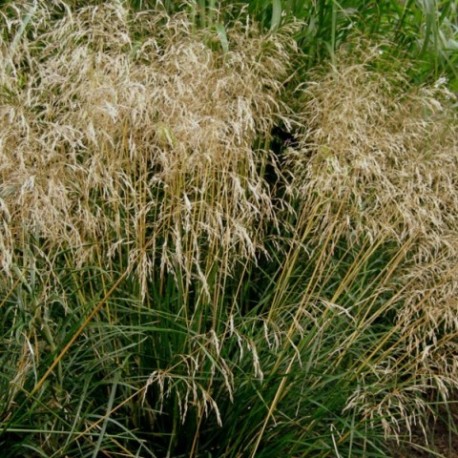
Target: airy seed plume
140,143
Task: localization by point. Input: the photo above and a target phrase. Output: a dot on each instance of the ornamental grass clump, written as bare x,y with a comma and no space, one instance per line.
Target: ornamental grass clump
178,280
114,138
377,162
129,150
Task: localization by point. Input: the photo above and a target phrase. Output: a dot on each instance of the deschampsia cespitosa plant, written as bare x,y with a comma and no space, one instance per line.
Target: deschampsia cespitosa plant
177,281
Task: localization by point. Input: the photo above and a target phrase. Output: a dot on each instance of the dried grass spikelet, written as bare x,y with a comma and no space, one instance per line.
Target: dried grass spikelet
111,137
378,159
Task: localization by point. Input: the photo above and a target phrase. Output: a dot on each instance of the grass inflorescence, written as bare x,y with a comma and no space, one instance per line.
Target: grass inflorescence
221,235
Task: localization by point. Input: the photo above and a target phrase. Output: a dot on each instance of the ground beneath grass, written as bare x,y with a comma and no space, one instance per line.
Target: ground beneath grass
443,441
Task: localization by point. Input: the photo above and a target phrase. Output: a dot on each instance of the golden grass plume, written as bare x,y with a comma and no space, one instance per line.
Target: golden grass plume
135,130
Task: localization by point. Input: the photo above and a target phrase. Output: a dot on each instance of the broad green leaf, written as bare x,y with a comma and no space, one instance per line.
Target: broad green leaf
221,31
276,14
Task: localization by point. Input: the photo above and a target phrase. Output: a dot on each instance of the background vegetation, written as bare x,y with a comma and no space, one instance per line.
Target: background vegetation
227,229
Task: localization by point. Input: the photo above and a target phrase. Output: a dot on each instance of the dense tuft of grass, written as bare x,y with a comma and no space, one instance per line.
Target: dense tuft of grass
379,159
223,234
